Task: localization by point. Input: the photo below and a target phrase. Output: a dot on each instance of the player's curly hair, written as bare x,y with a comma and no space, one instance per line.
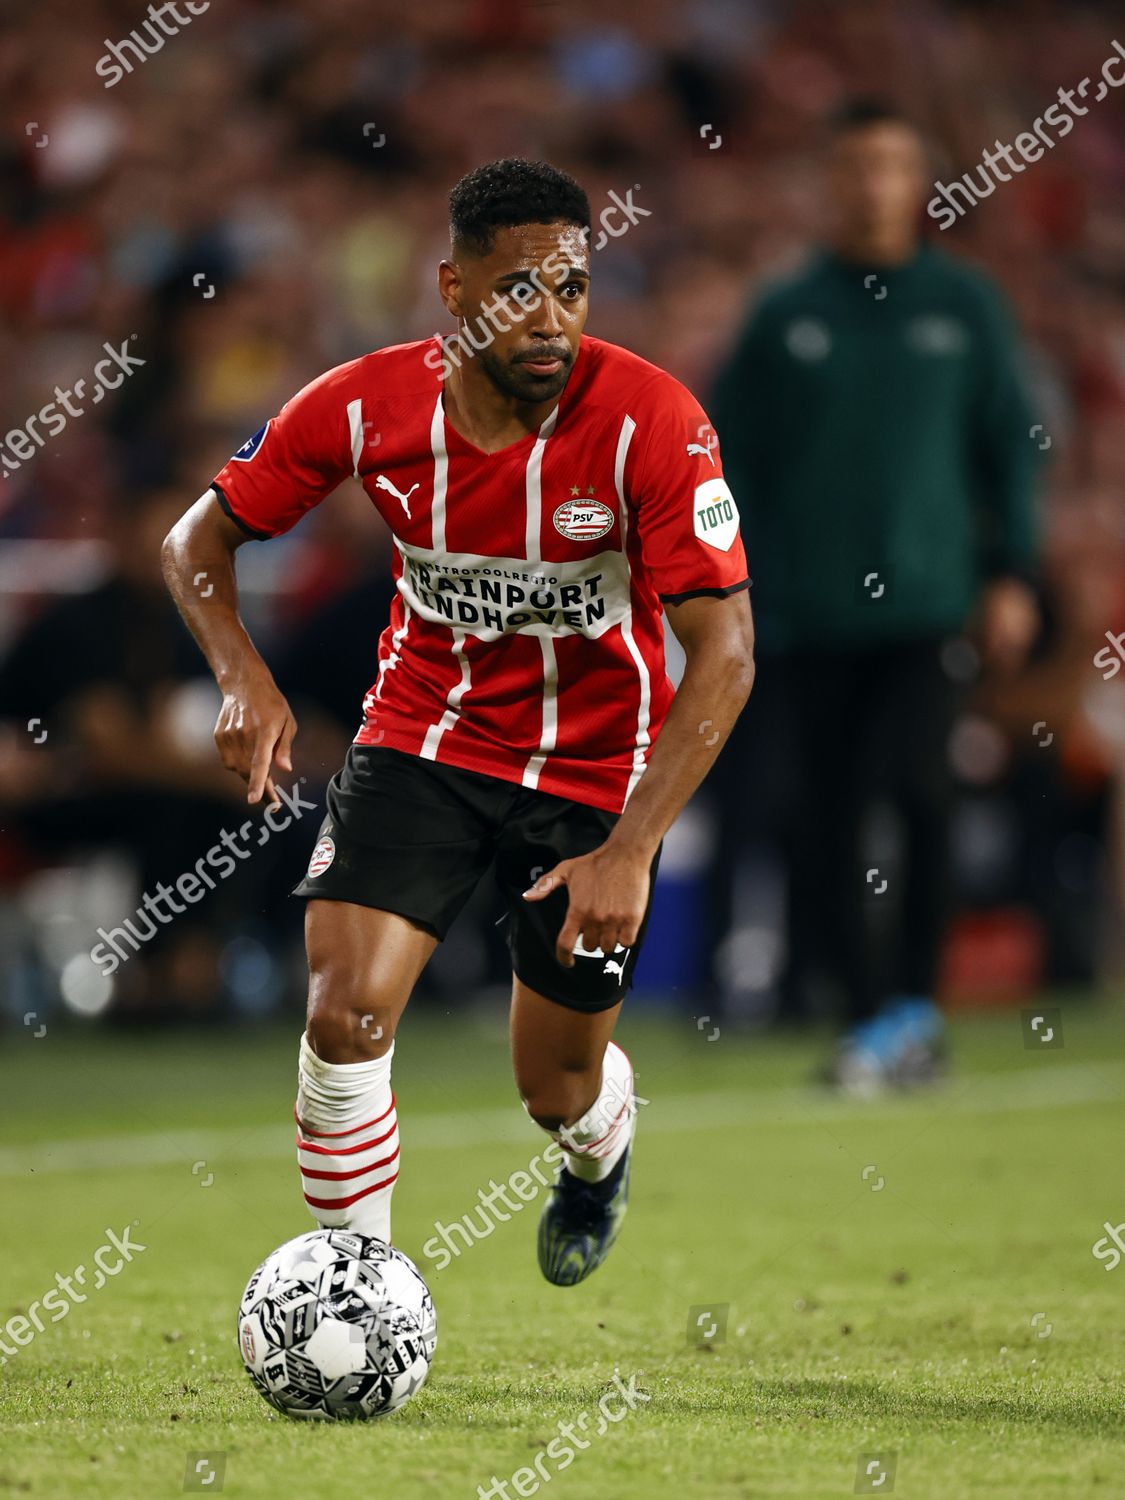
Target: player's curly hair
512,191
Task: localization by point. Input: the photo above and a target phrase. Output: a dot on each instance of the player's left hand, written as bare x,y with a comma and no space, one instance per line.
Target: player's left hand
608,893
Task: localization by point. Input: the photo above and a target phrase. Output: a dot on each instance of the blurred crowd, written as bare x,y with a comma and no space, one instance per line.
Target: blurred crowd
264,196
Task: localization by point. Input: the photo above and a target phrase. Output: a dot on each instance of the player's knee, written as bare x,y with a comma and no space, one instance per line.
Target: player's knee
345,1033
348,1022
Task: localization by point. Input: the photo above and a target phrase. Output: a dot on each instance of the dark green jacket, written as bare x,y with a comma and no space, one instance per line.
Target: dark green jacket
879,445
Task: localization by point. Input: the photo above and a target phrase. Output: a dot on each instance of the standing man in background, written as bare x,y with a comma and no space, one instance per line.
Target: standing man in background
872,416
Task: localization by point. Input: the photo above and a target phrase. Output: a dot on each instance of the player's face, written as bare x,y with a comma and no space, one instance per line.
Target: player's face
536,279
877,178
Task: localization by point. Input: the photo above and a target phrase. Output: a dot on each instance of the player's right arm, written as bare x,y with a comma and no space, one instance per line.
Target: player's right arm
255,729
293,463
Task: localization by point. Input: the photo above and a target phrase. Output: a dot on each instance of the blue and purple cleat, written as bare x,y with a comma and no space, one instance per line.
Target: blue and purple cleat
580,1222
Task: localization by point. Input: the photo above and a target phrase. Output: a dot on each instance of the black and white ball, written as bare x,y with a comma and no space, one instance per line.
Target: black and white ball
336,1326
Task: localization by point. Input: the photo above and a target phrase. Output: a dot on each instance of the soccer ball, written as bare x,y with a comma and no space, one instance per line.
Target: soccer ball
336,1326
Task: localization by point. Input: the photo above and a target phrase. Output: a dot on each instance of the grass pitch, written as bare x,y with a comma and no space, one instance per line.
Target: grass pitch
908,1284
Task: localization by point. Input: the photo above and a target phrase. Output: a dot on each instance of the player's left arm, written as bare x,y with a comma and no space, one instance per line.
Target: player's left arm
692,551
608,889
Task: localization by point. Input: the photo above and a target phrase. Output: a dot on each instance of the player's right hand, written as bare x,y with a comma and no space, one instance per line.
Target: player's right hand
254,731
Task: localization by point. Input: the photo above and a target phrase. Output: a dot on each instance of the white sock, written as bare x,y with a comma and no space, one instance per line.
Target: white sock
596,1143
347,1141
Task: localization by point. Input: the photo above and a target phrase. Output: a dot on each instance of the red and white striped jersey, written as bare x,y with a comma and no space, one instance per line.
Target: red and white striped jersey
526,639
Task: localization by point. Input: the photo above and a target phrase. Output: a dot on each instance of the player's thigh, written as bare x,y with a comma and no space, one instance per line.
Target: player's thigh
402,846
557,1054
363,966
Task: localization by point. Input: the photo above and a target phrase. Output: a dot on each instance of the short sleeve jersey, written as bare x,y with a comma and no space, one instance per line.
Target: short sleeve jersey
526,640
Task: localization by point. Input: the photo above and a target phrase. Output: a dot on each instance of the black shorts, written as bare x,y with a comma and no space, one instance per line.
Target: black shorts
414,837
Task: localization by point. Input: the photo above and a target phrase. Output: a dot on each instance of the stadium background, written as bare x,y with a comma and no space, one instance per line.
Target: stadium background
820,1295
264,198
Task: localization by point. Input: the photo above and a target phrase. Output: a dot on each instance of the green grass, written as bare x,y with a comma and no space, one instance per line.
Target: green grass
891,1321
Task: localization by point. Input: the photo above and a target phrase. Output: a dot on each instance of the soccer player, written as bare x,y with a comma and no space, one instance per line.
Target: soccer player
547,493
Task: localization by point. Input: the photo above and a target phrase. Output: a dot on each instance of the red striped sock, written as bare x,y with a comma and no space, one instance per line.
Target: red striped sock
347,1141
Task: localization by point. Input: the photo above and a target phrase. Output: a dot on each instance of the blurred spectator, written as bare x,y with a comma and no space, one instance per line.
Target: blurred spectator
105,746
874,429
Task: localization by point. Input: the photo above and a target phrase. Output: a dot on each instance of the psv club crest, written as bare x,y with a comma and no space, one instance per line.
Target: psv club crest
583,520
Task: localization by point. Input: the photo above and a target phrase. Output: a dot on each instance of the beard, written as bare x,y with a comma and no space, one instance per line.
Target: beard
515,379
